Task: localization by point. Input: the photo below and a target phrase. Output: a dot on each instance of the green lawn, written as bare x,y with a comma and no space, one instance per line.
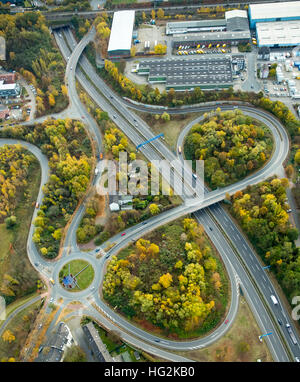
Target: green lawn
84,279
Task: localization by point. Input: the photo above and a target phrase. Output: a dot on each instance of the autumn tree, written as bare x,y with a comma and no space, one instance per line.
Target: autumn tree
160,13
8,336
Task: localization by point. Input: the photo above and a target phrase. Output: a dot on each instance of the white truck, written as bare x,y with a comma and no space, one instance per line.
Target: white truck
274,299
291,333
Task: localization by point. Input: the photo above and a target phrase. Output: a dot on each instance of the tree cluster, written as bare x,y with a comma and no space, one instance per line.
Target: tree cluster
173,281
88,228
231,145
14,165
261,210
28,41
283,113
68,149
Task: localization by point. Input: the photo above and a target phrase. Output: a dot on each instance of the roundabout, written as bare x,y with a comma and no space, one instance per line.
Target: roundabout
76,275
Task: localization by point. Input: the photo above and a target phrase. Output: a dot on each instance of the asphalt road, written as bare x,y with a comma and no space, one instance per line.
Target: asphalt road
238,271
115,97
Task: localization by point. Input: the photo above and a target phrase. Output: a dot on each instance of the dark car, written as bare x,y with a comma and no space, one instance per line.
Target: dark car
279,321
97,250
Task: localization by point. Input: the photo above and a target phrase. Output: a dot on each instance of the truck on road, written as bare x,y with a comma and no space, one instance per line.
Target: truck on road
274,300
291,333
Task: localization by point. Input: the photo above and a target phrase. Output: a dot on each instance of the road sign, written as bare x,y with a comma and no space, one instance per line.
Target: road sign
149,140
264,335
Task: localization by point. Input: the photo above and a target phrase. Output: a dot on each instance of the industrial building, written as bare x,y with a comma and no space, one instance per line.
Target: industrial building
121,34
182,27
95,343
230,38
205,73
278,34
286,11
9,90
232,30
234,21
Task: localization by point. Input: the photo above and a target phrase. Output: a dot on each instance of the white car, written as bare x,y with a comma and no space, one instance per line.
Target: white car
51,300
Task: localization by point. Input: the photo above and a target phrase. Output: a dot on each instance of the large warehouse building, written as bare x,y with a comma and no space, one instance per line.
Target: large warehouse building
234,21
181,27
232,30
230,38
278,34
285,11
121,34
206,73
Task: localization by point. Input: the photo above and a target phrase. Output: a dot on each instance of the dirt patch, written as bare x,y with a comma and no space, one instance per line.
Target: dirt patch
171,129
103,210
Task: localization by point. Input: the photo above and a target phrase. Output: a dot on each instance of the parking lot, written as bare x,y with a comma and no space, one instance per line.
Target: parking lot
202,49
273,89
152,33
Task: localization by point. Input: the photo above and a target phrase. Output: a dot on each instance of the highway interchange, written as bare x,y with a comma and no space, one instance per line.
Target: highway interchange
243,266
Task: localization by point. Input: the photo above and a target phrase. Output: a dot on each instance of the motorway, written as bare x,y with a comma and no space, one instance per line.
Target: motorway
240,261
281,150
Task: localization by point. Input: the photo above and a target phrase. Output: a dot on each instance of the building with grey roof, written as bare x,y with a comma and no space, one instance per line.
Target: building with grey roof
206,73
95,343
54,349
227,37
234,21
180,27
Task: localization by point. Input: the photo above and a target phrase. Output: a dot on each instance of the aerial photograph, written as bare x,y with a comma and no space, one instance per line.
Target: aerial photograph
149,185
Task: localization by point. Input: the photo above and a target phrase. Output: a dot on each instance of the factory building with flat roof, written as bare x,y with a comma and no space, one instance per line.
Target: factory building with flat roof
230,38
121,34
232,30
182,27
278,34
285,11
236,20
205,73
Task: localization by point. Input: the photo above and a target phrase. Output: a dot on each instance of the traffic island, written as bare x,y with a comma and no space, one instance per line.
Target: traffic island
76,275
